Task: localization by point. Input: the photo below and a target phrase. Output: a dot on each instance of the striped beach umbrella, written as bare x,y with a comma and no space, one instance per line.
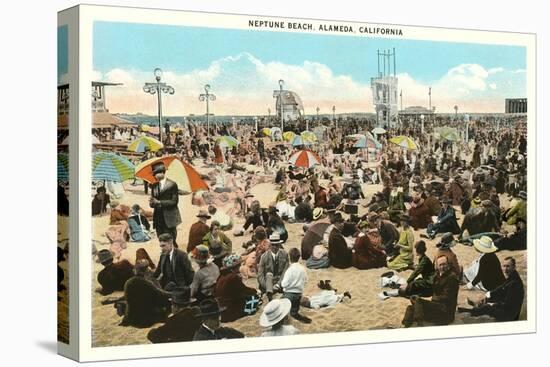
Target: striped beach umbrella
304,158
181,172
299,141
289,136
144,143
404,142
63,167
111,167
227,141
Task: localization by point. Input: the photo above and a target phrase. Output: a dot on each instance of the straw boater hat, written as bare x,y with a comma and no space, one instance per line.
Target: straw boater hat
477,200
447,241
275,239
203,214
274,312
485,245
318,213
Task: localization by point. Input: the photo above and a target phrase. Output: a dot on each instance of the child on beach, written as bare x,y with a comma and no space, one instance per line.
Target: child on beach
293,283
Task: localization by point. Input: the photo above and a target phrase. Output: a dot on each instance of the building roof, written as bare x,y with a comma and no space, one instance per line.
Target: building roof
104,83
105,119
416,110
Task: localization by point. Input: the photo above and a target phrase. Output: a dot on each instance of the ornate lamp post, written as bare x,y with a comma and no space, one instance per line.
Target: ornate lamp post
280,94
456,112
317,109
256,123
422,122
334,116
207,96
467,120
158,88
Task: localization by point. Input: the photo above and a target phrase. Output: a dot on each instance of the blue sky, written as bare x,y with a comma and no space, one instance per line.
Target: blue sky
62,51
496,71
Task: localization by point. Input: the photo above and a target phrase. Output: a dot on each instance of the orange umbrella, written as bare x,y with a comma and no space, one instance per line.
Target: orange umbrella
187,178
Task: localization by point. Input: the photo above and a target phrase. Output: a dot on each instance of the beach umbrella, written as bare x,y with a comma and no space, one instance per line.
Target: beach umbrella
404,142
181,172
175,129
63,167
313,236
227,141
299,141
144,143
266,131
448,133
309,136
367,143
289,136
378,131
304,158
145,128
111,167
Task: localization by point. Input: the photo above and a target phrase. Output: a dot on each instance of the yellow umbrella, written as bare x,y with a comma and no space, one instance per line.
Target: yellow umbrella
144,143
404,142
145,128
266,131
309,136
288,135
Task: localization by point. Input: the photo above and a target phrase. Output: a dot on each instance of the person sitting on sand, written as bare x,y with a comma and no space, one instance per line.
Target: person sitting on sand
272,267
365,253
339,252
217,242
100,201
226,222
422,286
504,303
204,280
485,272
231,293
145,303
275,318
138,225
211,328
514,241
198,230
404,260
114,275
174,269
275,224
293,283
446,221
442,307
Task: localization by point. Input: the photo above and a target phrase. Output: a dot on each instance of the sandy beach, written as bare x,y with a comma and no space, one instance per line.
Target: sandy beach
365,311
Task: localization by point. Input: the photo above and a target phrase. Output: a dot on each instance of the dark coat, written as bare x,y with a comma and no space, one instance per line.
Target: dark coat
480,221
182,271
167,211
146,304
267,265
232,293
490,273
196,233
434,205
366,255
516,241
421,216
113,277
421,286
507,299
338,252
446,221
221,333
388,232
180,327
445,292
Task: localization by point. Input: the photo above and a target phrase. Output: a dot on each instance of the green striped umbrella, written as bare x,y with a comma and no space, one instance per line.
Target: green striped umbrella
63,167
111,167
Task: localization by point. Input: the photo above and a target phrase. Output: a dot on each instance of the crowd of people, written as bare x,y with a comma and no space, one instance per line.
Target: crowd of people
452,192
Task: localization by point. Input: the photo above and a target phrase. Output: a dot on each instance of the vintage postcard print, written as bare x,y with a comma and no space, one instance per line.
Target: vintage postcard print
256,183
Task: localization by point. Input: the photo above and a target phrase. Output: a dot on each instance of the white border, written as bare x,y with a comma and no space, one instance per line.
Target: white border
90,13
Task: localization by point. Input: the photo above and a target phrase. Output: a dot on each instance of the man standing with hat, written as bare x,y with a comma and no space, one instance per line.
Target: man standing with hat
198,230
272,267
164,201
485,272
211,328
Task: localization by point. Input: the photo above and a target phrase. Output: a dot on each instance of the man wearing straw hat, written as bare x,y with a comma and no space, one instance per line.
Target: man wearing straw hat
164,201
485,272
272,267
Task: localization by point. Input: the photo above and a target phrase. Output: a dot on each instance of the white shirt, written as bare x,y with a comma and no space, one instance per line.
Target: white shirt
162,183
295,279
171,255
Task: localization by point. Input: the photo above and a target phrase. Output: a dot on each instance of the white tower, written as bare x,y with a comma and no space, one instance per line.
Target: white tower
384,90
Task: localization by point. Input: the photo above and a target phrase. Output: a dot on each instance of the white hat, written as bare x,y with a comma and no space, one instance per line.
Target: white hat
485,244
274,312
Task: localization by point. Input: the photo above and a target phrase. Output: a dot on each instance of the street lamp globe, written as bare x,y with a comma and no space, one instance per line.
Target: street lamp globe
281,83
158,73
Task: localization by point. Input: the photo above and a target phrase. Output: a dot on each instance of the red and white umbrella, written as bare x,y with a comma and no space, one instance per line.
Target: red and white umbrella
304,158
187,178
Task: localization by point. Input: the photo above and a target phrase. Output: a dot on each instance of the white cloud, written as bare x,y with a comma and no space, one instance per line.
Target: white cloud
244,84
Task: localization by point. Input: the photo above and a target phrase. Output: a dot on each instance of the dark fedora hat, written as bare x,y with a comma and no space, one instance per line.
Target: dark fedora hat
105,256
447,241
210,307
158,167
180,296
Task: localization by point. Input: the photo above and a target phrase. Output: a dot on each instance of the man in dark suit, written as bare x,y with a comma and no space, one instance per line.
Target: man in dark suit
113,277
164,201
174,269
446,221
504,302
211,328
339,252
